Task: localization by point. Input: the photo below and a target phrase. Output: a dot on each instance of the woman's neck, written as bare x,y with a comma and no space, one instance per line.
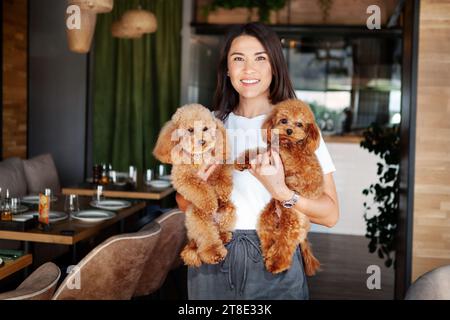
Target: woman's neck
253,107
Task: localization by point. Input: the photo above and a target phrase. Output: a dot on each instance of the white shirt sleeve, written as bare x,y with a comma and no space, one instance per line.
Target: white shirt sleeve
324,157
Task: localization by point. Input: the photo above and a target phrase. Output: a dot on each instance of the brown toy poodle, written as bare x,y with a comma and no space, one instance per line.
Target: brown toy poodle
280,229
191,138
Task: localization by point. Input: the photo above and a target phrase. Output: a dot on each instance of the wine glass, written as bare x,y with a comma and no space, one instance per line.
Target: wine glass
71,205
148,176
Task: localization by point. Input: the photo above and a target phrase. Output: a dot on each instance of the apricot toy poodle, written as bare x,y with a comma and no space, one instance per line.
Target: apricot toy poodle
281,229
190,139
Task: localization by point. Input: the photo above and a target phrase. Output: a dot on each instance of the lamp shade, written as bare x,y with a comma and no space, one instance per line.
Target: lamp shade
141,20
80,39
119,30
97,6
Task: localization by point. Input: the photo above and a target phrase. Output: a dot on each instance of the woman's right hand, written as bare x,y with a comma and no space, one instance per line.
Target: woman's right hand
203,173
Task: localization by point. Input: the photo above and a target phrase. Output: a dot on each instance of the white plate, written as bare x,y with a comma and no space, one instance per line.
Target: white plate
110,204
159,184
34,199
54,216
166,177
93,215
21,209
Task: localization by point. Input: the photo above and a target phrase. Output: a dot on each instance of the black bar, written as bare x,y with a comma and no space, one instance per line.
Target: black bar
403,269
306,30
1,82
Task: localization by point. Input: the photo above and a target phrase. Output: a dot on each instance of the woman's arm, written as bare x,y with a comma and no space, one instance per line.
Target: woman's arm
323,211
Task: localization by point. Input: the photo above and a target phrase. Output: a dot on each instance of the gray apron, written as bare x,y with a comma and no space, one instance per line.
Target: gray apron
242,275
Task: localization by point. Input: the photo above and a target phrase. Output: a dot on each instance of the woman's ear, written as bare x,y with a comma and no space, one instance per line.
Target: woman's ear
167,140
221,149
312,136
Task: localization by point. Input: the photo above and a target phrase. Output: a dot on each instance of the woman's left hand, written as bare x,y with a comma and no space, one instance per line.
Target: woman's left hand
268,169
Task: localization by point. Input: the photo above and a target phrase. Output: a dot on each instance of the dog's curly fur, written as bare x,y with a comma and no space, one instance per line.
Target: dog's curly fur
280,229
193,137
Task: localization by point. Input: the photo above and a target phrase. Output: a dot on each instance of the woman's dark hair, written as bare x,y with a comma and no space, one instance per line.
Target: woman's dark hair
226,98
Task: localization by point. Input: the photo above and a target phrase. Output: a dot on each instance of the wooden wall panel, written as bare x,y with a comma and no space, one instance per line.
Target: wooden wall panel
431,237
14,78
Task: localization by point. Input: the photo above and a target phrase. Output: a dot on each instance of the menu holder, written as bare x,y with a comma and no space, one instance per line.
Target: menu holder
19,225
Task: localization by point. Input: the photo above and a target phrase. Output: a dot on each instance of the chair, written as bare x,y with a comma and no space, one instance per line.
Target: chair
433,285
112,269
40,285
41,173
165,254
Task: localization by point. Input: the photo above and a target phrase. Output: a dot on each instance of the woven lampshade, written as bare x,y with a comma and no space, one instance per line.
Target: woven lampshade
97,6
80,39
118,30
141,20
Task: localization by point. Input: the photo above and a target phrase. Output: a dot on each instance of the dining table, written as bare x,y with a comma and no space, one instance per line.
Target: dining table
70,231
129,191
13,266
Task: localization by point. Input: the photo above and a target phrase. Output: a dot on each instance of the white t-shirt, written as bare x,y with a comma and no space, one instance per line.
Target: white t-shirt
249,195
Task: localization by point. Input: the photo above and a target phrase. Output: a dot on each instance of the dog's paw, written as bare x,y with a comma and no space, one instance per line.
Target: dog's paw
277,261
190,257
242,167
226,237
226,208
213,254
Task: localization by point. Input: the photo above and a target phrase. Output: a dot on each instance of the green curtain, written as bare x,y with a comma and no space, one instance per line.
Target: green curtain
136,85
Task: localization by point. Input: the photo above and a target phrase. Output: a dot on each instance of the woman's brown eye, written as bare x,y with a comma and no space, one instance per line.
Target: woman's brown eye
299,124
205,129
191,130
284,121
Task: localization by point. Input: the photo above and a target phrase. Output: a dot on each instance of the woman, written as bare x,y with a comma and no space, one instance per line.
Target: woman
252,77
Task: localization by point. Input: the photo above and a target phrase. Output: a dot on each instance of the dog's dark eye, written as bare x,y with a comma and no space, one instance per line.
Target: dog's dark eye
284,121
205,129
191,130
299,124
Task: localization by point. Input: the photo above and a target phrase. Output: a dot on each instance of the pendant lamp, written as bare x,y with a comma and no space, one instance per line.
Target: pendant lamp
80,39
97,6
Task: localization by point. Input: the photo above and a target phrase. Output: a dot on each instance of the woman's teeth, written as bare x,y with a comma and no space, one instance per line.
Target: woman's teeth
249,81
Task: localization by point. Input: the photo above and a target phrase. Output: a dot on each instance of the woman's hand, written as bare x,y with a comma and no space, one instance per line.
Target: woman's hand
268,169
203,173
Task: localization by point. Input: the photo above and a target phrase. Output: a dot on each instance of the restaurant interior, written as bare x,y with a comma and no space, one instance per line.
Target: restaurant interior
89,213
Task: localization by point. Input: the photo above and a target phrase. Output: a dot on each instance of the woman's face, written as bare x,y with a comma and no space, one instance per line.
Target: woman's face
249,67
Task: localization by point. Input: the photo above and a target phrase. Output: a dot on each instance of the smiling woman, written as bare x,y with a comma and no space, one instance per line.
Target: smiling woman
252,78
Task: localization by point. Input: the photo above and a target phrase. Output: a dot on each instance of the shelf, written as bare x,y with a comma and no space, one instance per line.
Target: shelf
306,30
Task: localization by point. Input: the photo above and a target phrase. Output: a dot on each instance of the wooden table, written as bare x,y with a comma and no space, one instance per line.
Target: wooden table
141,191
81,230
13,266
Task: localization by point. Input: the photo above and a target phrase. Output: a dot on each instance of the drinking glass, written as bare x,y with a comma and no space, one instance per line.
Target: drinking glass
71,205
148,176
15,204
162,171
98,194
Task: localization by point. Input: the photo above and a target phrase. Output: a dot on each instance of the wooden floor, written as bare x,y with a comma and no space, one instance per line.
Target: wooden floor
345,259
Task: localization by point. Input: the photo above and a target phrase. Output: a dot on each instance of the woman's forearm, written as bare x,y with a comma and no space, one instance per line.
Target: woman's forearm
323,210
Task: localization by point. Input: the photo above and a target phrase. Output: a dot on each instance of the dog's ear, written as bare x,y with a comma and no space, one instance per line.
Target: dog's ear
267,125
313,137
221,149
167,140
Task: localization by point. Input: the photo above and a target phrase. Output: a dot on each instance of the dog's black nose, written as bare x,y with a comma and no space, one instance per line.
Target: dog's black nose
201,142
289,131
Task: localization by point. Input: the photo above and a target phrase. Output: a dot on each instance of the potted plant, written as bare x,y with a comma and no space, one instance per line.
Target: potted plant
264,8
384,194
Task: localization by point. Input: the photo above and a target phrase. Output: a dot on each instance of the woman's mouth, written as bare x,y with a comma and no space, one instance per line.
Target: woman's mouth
249,82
